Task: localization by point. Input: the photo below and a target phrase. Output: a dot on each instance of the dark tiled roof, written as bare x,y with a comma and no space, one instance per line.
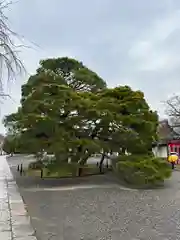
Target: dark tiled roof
166,132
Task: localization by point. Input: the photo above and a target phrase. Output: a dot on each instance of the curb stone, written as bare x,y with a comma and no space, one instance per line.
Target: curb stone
15,223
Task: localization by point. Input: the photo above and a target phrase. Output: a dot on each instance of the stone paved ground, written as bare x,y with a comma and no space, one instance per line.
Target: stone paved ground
14,222
100,209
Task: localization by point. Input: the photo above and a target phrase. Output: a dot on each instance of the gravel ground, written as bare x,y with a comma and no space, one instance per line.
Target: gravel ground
97,208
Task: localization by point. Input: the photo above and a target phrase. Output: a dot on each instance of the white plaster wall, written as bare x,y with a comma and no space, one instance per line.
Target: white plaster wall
160,151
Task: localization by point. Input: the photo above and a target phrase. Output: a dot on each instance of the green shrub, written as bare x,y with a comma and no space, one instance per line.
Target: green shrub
89,170
142,170
62,168
70,169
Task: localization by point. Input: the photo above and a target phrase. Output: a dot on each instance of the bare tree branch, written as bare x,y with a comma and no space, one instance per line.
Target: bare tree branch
173,106
173,111
10,64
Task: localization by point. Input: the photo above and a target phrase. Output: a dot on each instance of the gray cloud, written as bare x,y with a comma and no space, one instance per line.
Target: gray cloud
126,42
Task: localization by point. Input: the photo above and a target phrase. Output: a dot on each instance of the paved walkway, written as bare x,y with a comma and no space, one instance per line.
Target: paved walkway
14,221
96,208
99,209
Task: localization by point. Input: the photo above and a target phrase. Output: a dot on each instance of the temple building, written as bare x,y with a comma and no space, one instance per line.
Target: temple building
169,140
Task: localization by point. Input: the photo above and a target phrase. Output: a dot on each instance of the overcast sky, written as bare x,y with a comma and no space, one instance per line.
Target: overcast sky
132,42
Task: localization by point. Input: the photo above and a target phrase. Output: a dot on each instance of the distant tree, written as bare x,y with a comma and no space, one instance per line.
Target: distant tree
173,111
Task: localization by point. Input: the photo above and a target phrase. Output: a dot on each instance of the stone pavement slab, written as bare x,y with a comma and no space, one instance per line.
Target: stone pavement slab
14,221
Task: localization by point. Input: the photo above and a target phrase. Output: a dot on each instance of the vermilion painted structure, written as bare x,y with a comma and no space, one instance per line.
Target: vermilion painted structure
174,146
